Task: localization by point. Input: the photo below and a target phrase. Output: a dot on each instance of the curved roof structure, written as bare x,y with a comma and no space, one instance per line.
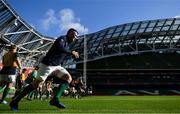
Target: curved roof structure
131,38
14,30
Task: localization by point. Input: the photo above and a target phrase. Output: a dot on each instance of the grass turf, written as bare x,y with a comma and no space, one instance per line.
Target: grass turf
103,104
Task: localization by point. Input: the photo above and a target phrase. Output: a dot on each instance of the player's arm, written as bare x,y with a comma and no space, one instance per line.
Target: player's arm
62,48
18,62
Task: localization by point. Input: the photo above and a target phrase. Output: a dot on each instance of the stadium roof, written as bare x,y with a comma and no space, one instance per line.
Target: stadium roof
130,38
159,35
14,30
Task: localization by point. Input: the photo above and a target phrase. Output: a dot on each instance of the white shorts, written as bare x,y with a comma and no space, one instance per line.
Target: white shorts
44,71
7,78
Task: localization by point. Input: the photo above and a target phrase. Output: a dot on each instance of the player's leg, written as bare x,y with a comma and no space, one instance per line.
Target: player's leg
60,89
29,96
23,93
8,80
2,85
5,92
65,80
58,93
43,72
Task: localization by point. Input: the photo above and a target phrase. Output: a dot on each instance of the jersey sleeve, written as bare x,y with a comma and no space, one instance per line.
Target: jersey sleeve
61,46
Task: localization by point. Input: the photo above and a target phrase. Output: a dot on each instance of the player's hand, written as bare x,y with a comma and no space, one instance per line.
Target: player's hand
75,54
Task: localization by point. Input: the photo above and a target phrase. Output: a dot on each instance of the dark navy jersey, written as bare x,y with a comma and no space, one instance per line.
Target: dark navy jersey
56,54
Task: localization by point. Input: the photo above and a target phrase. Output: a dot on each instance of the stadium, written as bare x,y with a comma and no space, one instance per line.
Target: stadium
131,59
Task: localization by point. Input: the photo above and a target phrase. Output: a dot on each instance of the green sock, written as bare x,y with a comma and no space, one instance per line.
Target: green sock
1,89
30,94
5,93
60,90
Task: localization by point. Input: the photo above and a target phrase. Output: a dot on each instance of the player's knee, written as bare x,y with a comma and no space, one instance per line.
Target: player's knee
68,78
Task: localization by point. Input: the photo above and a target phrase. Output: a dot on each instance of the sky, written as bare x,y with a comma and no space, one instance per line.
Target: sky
54,17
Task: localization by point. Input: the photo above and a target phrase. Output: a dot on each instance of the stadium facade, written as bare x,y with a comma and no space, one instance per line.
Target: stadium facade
133,58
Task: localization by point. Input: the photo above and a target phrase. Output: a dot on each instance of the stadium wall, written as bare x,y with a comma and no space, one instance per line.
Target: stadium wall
154,73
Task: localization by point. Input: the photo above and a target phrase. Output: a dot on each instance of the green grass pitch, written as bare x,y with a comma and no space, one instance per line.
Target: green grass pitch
102,104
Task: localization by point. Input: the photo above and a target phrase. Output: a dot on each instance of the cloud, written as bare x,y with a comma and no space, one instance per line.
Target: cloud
50,20
178,16
68,20
62,21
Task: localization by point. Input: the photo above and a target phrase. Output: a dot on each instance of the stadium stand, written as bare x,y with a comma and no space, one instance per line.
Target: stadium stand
137,58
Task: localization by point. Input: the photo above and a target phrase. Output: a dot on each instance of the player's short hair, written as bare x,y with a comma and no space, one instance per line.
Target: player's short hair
12,47
71,30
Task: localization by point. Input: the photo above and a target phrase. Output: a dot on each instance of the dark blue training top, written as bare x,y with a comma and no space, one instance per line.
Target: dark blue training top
57,52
